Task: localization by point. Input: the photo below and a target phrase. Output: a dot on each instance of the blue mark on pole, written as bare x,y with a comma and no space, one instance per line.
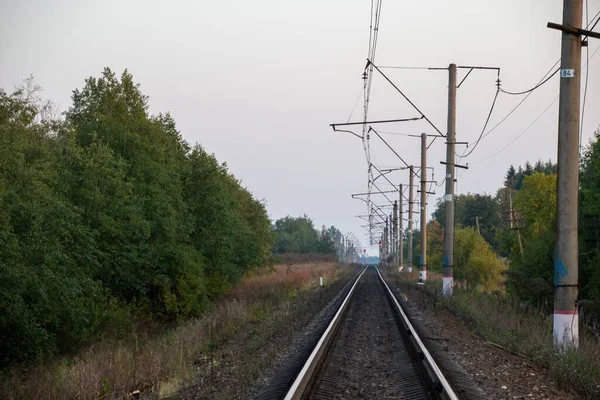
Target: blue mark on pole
421,260
559,270
445,259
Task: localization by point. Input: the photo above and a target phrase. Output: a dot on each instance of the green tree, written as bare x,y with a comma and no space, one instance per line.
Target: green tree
536,202
49,301
109,212
531,275
326,243
435,246
470,207
509,179
589,227
295,235
528,169
476,263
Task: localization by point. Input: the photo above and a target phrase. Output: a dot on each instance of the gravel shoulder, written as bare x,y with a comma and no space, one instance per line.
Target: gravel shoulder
498,372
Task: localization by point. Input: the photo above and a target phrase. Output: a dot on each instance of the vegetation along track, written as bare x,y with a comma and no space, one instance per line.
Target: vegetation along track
370,350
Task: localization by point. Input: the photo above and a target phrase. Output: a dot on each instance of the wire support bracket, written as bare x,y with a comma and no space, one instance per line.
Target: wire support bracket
456,165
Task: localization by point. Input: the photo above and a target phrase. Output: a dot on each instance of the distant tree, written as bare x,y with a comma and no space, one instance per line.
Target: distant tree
509,179
326,244
519,178
295,235
435,245
467,208
536,202
539,167
549,168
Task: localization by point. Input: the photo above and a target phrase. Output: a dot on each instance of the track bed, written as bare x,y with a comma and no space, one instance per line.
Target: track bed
369,358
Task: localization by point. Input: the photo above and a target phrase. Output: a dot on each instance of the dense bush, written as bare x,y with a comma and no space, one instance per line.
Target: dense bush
109,214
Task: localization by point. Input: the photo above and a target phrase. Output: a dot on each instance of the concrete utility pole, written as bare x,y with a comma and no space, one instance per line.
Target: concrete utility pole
390,243
448,263
395,225
400,233
566,290
423,212
514,223
477,224
409,257
385,243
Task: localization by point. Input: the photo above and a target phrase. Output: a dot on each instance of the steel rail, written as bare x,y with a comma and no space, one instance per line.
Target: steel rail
301,382
436,374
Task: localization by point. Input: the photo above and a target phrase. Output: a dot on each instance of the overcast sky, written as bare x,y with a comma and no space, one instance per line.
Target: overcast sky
259,82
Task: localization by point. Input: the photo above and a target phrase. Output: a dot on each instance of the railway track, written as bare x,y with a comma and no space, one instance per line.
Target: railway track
370,350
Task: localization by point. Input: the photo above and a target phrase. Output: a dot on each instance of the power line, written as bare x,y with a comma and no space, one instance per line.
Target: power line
413,68
368,80
371,63
529,94
520,134
355,104
587,75
534,121
390,147
398,134
484,125
533,88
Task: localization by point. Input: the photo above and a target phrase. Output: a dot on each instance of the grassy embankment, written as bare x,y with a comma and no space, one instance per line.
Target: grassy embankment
521,329
164,363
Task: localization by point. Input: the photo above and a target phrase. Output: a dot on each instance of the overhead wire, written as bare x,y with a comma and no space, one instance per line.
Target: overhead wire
529,94
397,133
413,68
355,105
533,88
372,63
367,84
587,75
534,121
544,79
517,106
465,154
368,76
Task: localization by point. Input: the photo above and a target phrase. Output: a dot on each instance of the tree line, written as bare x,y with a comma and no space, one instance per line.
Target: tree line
518,223
108,217
299,235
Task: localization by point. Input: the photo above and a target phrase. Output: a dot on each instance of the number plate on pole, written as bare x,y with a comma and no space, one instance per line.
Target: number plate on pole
567,73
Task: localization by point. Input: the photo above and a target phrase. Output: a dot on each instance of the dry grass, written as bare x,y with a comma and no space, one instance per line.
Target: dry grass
164,363
520,328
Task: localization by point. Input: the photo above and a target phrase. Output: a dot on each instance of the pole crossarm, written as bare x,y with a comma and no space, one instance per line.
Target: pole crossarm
383,121
368,193
574,31
456,165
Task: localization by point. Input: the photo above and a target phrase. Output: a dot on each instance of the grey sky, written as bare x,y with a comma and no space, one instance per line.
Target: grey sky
258,83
